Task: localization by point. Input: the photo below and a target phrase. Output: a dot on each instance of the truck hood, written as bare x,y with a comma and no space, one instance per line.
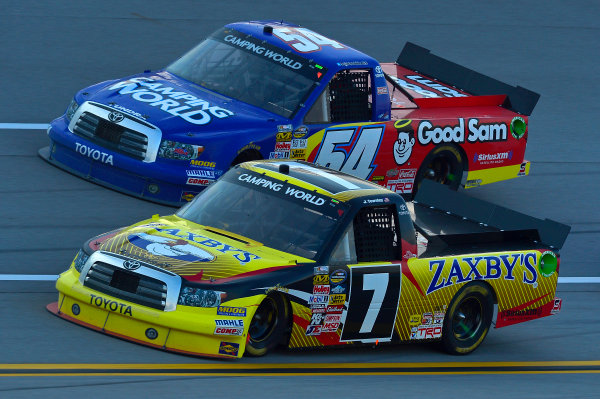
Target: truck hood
196,252
178,106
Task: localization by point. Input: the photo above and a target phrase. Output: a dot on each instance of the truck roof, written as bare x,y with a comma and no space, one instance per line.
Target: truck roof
334,184
327,52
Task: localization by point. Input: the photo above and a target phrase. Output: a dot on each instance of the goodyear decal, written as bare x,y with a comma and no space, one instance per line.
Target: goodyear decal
468,268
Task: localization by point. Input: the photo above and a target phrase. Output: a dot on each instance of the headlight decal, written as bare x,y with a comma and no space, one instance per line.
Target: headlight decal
71,109
198,297
176,150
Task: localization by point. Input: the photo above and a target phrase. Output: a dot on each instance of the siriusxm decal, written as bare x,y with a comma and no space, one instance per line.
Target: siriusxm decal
482,268
239,254
168,99
174,249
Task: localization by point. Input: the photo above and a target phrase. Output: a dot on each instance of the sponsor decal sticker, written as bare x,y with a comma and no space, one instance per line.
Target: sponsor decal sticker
317,318
283,146
557,306
300,132
478,132
337,299
203,164
318,299
205,174
240,255
338,276
168,99
229,348
109,304
175,249
447,272
415,319
188,195
279,155
321,270
284,128
330,327
321,279
313,330
333,318
518,127
298,154
94,154
382,90
426,332
321,290
283,137
338,289
299,143
332,309
523,169
231,311
318,308
194,181
229,331
405,181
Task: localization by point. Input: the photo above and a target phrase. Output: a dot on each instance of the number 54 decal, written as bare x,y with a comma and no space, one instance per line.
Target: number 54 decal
351,149
372,303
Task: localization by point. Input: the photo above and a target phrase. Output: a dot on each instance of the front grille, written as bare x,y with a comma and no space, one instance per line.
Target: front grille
111,135
127,285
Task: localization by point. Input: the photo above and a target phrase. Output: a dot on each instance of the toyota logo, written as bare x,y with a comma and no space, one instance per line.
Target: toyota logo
131,264
115,117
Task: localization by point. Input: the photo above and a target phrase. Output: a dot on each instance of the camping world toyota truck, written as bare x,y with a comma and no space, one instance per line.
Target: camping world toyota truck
273,90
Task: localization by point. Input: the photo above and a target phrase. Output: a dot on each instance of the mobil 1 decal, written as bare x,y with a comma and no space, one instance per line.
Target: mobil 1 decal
372,303
351,149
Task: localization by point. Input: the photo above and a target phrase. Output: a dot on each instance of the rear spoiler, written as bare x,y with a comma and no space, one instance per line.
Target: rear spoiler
455,218
419,59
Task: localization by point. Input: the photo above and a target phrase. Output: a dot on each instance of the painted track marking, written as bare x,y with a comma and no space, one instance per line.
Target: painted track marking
25,126
304,369
53,277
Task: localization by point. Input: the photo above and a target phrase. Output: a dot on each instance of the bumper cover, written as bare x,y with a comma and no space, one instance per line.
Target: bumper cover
186,330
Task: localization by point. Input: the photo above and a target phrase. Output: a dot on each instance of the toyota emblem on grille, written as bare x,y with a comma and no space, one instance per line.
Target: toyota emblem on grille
131,264
115,117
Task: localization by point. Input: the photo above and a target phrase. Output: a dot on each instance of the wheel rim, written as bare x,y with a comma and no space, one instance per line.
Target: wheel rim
468,319
441,171
264,321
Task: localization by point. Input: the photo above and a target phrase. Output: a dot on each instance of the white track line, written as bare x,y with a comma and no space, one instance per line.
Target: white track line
53,277
25,126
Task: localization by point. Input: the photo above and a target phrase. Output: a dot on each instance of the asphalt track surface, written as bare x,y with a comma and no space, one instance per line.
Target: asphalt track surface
50,50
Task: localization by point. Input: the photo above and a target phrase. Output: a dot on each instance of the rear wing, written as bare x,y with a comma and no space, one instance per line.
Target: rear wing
449,219
419,59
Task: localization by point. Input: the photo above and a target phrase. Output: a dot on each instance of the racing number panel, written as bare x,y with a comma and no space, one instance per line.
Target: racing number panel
372,303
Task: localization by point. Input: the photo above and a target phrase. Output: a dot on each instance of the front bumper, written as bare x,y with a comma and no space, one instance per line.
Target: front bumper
161,182
187,330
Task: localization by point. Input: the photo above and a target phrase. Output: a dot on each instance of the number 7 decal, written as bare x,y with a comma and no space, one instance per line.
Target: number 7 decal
372,303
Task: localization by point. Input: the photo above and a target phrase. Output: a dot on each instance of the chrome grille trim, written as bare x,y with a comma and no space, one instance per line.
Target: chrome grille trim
156,288
138,139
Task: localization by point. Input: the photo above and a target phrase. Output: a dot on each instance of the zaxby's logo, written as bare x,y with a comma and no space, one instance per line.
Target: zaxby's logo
482,268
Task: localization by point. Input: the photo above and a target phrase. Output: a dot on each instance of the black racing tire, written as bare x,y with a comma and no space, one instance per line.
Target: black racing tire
268,326
245,156
468,319
444,165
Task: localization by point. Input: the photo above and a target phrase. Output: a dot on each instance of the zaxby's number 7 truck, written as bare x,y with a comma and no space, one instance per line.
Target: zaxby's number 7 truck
273,90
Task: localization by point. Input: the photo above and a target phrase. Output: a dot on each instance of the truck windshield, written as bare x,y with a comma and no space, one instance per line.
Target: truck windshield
275,213
244,68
